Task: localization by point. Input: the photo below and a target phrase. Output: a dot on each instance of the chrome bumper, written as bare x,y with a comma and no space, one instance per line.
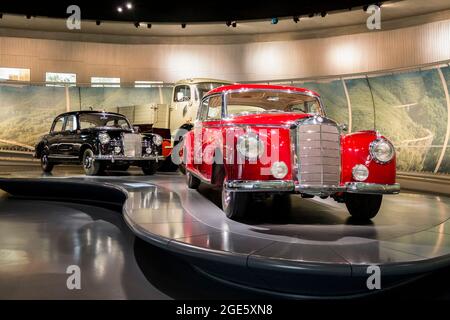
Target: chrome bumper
124,158
289,186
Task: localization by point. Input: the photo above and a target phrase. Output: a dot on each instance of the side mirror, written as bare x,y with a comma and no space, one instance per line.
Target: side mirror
136,129
180,96
343,127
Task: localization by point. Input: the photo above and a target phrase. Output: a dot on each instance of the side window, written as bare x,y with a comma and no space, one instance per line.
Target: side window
182,93
215,108
203,110
58,125
71,123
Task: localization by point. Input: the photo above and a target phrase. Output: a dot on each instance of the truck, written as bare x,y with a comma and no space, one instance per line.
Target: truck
172,120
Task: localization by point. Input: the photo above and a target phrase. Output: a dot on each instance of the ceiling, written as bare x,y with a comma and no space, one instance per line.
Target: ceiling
394,14
178,11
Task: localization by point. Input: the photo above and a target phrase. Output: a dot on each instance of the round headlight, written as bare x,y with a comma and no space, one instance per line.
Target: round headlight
104,138
360,172
250,146
117,150
148,150
279,170
382,151
157,140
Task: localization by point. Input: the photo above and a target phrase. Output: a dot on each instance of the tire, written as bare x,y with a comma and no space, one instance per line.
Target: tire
46,165
150,168
363,206
192,182
91,167
235,204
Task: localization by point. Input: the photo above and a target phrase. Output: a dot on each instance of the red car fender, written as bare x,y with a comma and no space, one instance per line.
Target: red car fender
355,150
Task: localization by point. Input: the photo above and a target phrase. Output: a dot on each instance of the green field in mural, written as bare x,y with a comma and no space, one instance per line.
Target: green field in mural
410,108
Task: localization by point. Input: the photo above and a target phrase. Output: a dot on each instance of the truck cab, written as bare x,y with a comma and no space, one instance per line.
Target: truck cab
186,98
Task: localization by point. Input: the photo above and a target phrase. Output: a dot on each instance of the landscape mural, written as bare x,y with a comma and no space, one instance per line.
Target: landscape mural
408,107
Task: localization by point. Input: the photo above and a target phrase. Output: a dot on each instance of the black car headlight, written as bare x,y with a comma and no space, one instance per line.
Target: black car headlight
157,140
382,151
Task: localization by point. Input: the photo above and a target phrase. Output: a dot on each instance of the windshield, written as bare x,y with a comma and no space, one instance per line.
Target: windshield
266,101
103,120
205,87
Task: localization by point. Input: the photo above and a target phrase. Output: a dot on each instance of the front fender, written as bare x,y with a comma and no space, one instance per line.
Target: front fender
355,150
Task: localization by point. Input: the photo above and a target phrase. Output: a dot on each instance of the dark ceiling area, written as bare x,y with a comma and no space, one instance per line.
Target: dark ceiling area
179,11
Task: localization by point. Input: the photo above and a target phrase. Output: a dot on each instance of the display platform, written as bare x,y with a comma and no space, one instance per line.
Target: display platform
308,247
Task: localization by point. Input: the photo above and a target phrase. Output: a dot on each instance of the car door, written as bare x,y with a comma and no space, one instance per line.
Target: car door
54,136
211,134
180,109
69,138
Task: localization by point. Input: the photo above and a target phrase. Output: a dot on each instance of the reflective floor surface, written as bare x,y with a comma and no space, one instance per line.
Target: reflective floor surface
410,236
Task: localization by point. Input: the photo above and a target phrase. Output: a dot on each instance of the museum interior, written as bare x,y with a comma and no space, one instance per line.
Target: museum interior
197,151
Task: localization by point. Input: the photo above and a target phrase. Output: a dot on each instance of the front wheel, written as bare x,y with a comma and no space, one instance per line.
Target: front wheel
90,166
234,204
150,168
46,165
192,182
363,206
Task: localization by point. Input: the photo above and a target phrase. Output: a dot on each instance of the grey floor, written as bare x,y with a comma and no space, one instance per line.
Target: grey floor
39,239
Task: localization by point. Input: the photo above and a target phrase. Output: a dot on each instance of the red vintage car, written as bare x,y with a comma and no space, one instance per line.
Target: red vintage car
276,140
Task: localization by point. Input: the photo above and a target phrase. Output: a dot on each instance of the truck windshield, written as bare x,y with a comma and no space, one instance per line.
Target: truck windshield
104,120
267,101
204,87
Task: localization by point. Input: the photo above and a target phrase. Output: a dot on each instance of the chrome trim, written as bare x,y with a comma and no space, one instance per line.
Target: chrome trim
372,144
260,186
315,120
124,158
372,188
265,125
289,186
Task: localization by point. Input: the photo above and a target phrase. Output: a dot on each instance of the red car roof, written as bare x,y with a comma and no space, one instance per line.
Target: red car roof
260,87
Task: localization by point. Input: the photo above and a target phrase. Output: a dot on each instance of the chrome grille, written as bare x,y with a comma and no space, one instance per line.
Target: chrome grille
318,154
132,145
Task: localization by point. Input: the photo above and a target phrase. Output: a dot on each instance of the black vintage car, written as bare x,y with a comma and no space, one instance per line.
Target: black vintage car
98,140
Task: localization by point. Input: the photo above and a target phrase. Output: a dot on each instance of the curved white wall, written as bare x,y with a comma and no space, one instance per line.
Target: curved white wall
356,53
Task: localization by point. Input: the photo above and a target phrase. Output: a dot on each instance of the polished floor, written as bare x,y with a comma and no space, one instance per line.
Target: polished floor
410,228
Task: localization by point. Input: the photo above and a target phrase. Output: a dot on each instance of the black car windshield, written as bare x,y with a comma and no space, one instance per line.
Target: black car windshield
104,120
267,101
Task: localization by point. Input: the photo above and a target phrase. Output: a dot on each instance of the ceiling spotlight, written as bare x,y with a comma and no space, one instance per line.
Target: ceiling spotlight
379,4
296,19
28,16
129,5
228,23
1,15
274,21
311,15
119,9
365,7
149,25
98,22
323,14
183,25
137,24
234,24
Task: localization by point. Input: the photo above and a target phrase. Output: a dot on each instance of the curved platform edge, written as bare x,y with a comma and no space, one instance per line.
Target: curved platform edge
277,276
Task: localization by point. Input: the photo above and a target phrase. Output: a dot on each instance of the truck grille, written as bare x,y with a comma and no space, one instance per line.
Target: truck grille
318,154
132,145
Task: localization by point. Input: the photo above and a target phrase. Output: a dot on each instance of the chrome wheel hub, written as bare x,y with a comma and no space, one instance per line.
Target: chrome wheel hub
88,162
